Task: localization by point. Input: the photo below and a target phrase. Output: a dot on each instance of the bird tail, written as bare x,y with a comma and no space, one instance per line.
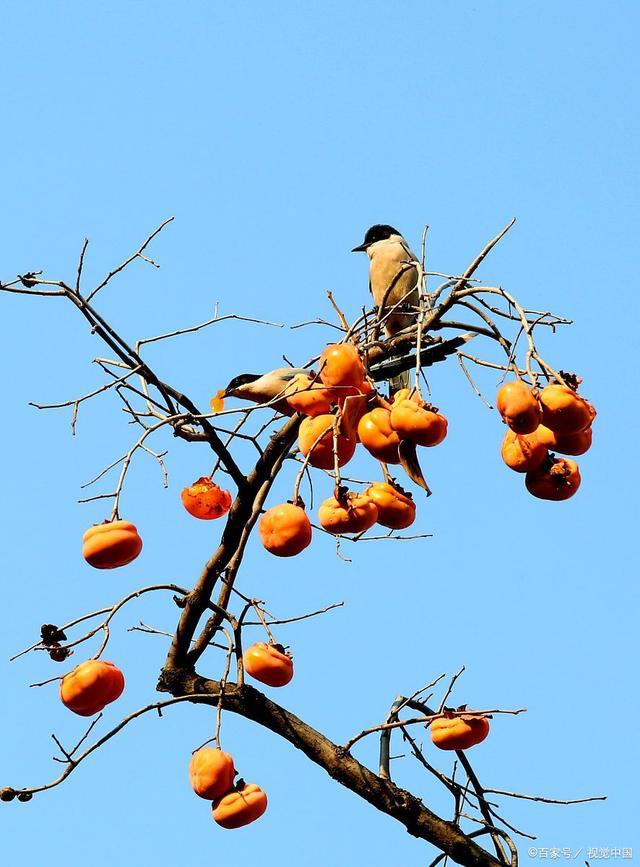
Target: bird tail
402,380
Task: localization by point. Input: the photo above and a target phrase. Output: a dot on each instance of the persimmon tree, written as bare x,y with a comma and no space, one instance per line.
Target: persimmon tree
308,427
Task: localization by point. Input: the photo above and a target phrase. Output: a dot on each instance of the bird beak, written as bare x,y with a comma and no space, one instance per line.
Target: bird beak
361,249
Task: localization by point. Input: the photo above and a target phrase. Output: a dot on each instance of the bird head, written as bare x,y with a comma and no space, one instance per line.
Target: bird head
234,388
379,232
264,387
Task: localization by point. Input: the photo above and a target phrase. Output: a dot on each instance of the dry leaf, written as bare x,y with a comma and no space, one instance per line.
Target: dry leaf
410,464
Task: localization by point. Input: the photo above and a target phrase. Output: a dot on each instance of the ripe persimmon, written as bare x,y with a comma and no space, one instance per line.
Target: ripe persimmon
268,663
205,500
111,544
341,365
519,407
565,411
352,513
285,530
457,732
378,436
211,773
415,420
554,479
311,398
567,444
522,452
91,686
240,806
315,438
396,509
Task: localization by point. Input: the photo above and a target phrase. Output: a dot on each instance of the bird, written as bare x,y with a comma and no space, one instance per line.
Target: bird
393,279
265,388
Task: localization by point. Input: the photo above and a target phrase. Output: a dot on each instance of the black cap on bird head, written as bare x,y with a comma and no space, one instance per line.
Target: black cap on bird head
379,232
237,381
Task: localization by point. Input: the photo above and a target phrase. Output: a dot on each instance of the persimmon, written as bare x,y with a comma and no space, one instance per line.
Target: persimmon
341,365
205,500
396,509
352,513
564,411
111,544
401,394
315,438
378,436
416,421
309,397
211,773
554,479
568,444
268,663
240,806
343,392
217,401
457,732
519,407
285,530
91,686
522,452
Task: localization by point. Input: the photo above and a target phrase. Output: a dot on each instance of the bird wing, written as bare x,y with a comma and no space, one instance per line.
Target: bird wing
412,256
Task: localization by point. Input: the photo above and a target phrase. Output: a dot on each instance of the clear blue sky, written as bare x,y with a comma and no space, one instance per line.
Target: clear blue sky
276,133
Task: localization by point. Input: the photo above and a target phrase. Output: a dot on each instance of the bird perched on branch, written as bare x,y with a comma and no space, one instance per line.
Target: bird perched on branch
264,387
393,279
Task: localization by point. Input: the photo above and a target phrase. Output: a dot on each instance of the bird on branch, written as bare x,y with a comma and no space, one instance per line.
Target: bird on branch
263,388
393,279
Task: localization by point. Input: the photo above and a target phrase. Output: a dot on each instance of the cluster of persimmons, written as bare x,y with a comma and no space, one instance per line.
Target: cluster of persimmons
94,684
542,422
341,408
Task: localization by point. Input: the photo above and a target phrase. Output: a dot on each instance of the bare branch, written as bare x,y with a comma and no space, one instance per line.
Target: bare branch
136,255
73,763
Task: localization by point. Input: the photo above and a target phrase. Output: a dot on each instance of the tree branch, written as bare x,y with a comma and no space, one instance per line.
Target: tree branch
382,794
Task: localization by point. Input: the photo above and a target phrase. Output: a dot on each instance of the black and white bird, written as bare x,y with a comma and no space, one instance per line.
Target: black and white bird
265,388
393,280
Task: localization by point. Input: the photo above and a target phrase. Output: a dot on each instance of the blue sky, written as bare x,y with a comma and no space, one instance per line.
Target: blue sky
276,133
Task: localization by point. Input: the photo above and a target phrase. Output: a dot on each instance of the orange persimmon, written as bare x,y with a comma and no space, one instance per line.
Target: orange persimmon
457,732
341,365
91,686
285,530
567,444
554,479
315,438
309,397
240,806
111,544
522,452
401,394
211,773
564,411
205,500
396,509
519,407
378,436
352,513
268,663
217,401
415,420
